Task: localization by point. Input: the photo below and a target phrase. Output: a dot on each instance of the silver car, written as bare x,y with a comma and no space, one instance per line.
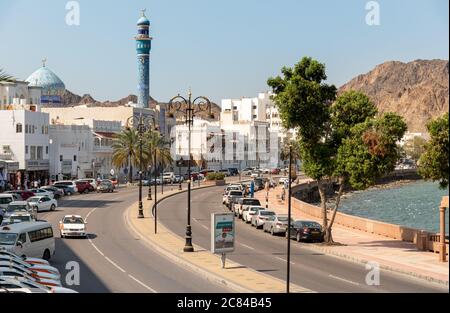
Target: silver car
276,224
261,217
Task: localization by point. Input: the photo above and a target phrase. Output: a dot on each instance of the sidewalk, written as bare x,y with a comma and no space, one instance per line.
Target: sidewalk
235,276
362,247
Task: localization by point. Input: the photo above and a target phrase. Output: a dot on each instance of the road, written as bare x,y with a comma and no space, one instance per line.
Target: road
267,254
112,259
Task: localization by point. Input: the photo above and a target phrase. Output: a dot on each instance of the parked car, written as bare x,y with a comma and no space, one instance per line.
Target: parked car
242,204
275,171
232,194
5,199
18,207
247,171
206,172
91,181
42,203
276,224
42,192
57,192
34,267
84,186
168,177
69,186
260,183
24,285
18,272
249,211
306,231
283,180
72,226
179,179
109,181
22,195
105,187
18,217
260,218
26,259
232,171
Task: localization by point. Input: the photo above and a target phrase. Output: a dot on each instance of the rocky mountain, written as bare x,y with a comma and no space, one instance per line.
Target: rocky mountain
417,90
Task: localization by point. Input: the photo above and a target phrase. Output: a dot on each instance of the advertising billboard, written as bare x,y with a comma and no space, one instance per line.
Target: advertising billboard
222,233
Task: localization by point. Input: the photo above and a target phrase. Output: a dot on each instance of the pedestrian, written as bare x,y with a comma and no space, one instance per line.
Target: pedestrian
283,193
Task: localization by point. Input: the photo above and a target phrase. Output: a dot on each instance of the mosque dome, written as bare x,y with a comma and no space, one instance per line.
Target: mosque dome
50,83
143,21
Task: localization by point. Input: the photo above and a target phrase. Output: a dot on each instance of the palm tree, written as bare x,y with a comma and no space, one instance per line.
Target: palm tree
126,150
5,78
152,141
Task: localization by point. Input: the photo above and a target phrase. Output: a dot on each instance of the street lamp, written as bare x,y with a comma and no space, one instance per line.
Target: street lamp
139,122
288,272
189,108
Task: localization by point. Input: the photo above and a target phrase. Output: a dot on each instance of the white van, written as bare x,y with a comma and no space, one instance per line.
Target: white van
33,239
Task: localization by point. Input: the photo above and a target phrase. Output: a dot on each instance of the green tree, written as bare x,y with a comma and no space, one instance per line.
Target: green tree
153,140
330,128
415,147
5,78
433,164
126,150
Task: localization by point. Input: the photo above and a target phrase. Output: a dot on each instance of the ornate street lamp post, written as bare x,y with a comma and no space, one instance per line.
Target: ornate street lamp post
189,108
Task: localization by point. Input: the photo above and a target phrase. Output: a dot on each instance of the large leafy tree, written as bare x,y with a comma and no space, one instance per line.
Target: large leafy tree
335,133
153,141
433,164
126,150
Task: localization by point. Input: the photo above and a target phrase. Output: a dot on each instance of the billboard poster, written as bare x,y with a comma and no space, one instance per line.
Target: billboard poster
222,233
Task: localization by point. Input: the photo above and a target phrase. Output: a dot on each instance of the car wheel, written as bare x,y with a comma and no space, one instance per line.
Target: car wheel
52,208
61,235
298,237
46,255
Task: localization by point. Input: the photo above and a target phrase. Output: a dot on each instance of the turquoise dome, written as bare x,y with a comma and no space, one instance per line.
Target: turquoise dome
50,83
143,21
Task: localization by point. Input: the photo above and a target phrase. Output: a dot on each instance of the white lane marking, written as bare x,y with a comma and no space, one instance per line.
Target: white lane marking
95,247
117,266
248,247
87,216
281,259
142,284
344,280
205,227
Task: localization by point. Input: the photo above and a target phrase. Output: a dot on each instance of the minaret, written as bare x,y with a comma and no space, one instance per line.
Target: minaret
143,47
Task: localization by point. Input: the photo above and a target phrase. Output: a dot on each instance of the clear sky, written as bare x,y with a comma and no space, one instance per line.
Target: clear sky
222,49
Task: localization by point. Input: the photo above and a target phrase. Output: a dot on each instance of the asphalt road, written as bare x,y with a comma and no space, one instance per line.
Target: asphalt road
267,254
112,259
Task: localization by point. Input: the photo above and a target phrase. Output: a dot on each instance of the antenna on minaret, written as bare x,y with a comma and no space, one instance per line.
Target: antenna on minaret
44,60
143,12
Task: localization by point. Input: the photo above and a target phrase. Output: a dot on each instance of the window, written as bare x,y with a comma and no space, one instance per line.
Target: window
46,149
60,158
42,129
26,128
23,238
40,234
74,158
26,149
40,153
19,128
33,128
33,153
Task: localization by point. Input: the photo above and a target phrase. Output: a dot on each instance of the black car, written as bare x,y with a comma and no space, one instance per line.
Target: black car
233,171
306,231
259,183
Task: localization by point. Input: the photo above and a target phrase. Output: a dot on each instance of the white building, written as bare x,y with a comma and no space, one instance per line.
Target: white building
19,95
24,139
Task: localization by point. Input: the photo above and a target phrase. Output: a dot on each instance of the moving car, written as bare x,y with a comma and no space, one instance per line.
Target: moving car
21,194
84,186
109,181
105,186
18,207
306,231
91,181
276,224
33,239
44,203
72,226
261,217
19,217
249,211
243,203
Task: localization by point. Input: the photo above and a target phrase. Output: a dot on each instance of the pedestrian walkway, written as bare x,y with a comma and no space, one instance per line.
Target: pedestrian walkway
235,276
359,246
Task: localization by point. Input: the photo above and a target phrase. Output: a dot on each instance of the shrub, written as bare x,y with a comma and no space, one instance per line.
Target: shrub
215,176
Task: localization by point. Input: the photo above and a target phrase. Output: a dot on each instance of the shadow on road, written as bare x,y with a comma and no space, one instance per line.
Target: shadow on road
87,203
89,282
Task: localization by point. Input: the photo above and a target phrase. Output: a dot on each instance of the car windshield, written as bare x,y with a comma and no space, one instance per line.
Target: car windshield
311,225
267,213
256,209
5,200
63,184
73,220
235,193
17,207
251,202
8,239
19,218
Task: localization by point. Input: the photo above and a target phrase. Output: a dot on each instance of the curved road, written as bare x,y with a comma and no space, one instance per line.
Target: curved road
113,259
267,254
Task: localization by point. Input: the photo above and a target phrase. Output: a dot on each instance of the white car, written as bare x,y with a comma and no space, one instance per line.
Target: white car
26,259
73,226
249,211
42,203
18,217
5,199
42,192
283,180
231,194
38,268
23,285
261,217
